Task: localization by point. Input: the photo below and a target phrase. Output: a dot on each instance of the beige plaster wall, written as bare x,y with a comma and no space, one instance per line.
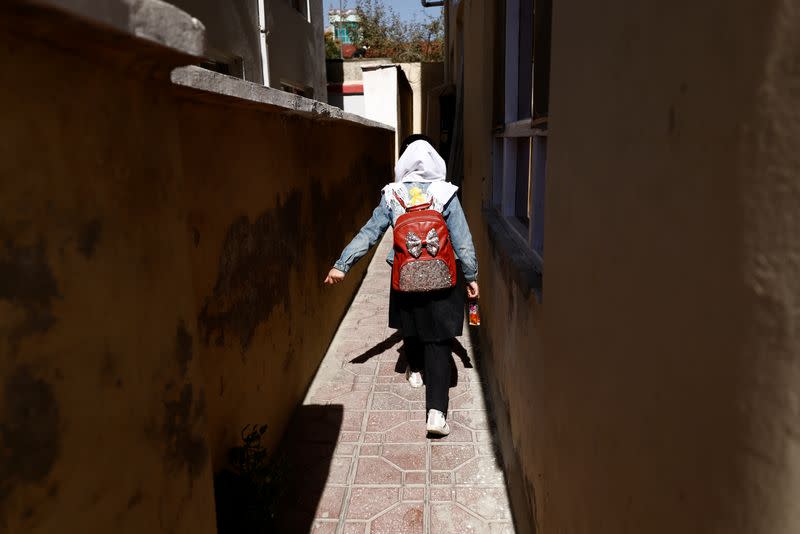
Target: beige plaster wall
102,411
273,200
652,390
161,259
422,77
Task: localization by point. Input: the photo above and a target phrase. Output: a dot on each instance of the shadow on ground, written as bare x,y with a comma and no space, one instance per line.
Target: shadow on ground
378,349
402,361
502,446
307,449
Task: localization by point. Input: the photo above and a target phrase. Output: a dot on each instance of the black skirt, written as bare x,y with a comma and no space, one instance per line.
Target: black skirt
433,316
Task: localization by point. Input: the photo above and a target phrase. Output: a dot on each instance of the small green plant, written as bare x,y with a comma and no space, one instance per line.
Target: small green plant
332,47
256,485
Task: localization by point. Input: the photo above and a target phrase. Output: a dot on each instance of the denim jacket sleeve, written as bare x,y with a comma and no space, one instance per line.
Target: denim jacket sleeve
461,238
366,237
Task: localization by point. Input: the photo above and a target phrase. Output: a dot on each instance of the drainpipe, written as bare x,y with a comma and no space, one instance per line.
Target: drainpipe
433,3
262,31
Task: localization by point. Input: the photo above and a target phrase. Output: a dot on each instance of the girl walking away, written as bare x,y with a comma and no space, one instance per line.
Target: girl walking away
432,259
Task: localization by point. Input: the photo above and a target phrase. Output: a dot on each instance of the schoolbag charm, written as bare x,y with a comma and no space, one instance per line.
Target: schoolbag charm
422,264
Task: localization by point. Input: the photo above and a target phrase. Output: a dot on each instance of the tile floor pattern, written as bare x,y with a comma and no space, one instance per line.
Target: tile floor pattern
385,475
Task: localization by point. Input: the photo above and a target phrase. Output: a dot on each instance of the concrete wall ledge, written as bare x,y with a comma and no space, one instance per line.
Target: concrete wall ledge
206,84
153,20
161,37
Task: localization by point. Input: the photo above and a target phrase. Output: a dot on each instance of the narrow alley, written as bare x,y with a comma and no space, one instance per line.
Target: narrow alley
360,437
178,176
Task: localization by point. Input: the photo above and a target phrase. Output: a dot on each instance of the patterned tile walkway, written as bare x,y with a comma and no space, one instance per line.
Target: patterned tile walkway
364,443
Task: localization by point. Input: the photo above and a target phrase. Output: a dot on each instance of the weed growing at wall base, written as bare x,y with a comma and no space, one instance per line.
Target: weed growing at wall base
247,493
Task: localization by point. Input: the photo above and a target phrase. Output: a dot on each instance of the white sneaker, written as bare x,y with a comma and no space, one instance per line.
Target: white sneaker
436,423
414,378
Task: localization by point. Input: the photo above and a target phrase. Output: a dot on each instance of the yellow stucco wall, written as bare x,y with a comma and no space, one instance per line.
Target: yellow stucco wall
653,389
103,412
273,201
161,260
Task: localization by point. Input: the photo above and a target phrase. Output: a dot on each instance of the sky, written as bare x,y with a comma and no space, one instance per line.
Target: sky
407,9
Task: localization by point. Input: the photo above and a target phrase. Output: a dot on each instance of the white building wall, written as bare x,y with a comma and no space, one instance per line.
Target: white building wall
294,41
355,104
381,97
296,47
231,31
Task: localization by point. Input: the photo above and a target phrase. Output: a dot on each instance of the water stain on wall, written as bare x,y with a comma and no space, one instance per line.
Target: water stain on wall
29,430
183,348
185,450
288,358
254,267
135,499
340,214
109,371
88,237
258,257
27,282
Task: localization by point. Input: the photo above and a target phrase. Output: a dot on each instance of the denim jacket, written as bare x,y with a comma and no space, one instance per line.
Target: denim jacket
382,218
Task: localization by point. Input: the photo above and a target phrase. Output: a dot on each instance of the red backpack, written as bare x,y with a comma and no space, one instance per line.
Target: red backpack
424,259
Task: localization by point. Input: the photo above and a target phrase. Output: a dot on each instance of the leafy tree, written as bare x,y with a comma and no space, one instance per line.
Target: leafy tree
332,50
384,34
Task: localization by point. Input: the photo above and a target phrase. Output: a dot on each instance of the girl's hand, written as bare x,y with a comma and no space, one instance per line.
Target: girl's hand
334,276
473,291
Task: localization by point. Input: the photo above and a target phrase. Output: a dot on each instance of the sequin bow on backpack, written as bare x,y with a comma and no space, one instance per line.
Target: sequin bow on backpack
424,259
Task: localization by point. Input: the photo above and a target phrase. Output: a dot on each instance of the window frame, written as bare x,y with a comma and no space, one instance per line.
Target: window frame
512,159
302,7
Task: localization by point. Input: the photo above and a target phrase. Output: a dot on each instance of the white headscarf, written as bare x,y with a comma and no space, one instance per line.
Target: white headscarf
420,163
